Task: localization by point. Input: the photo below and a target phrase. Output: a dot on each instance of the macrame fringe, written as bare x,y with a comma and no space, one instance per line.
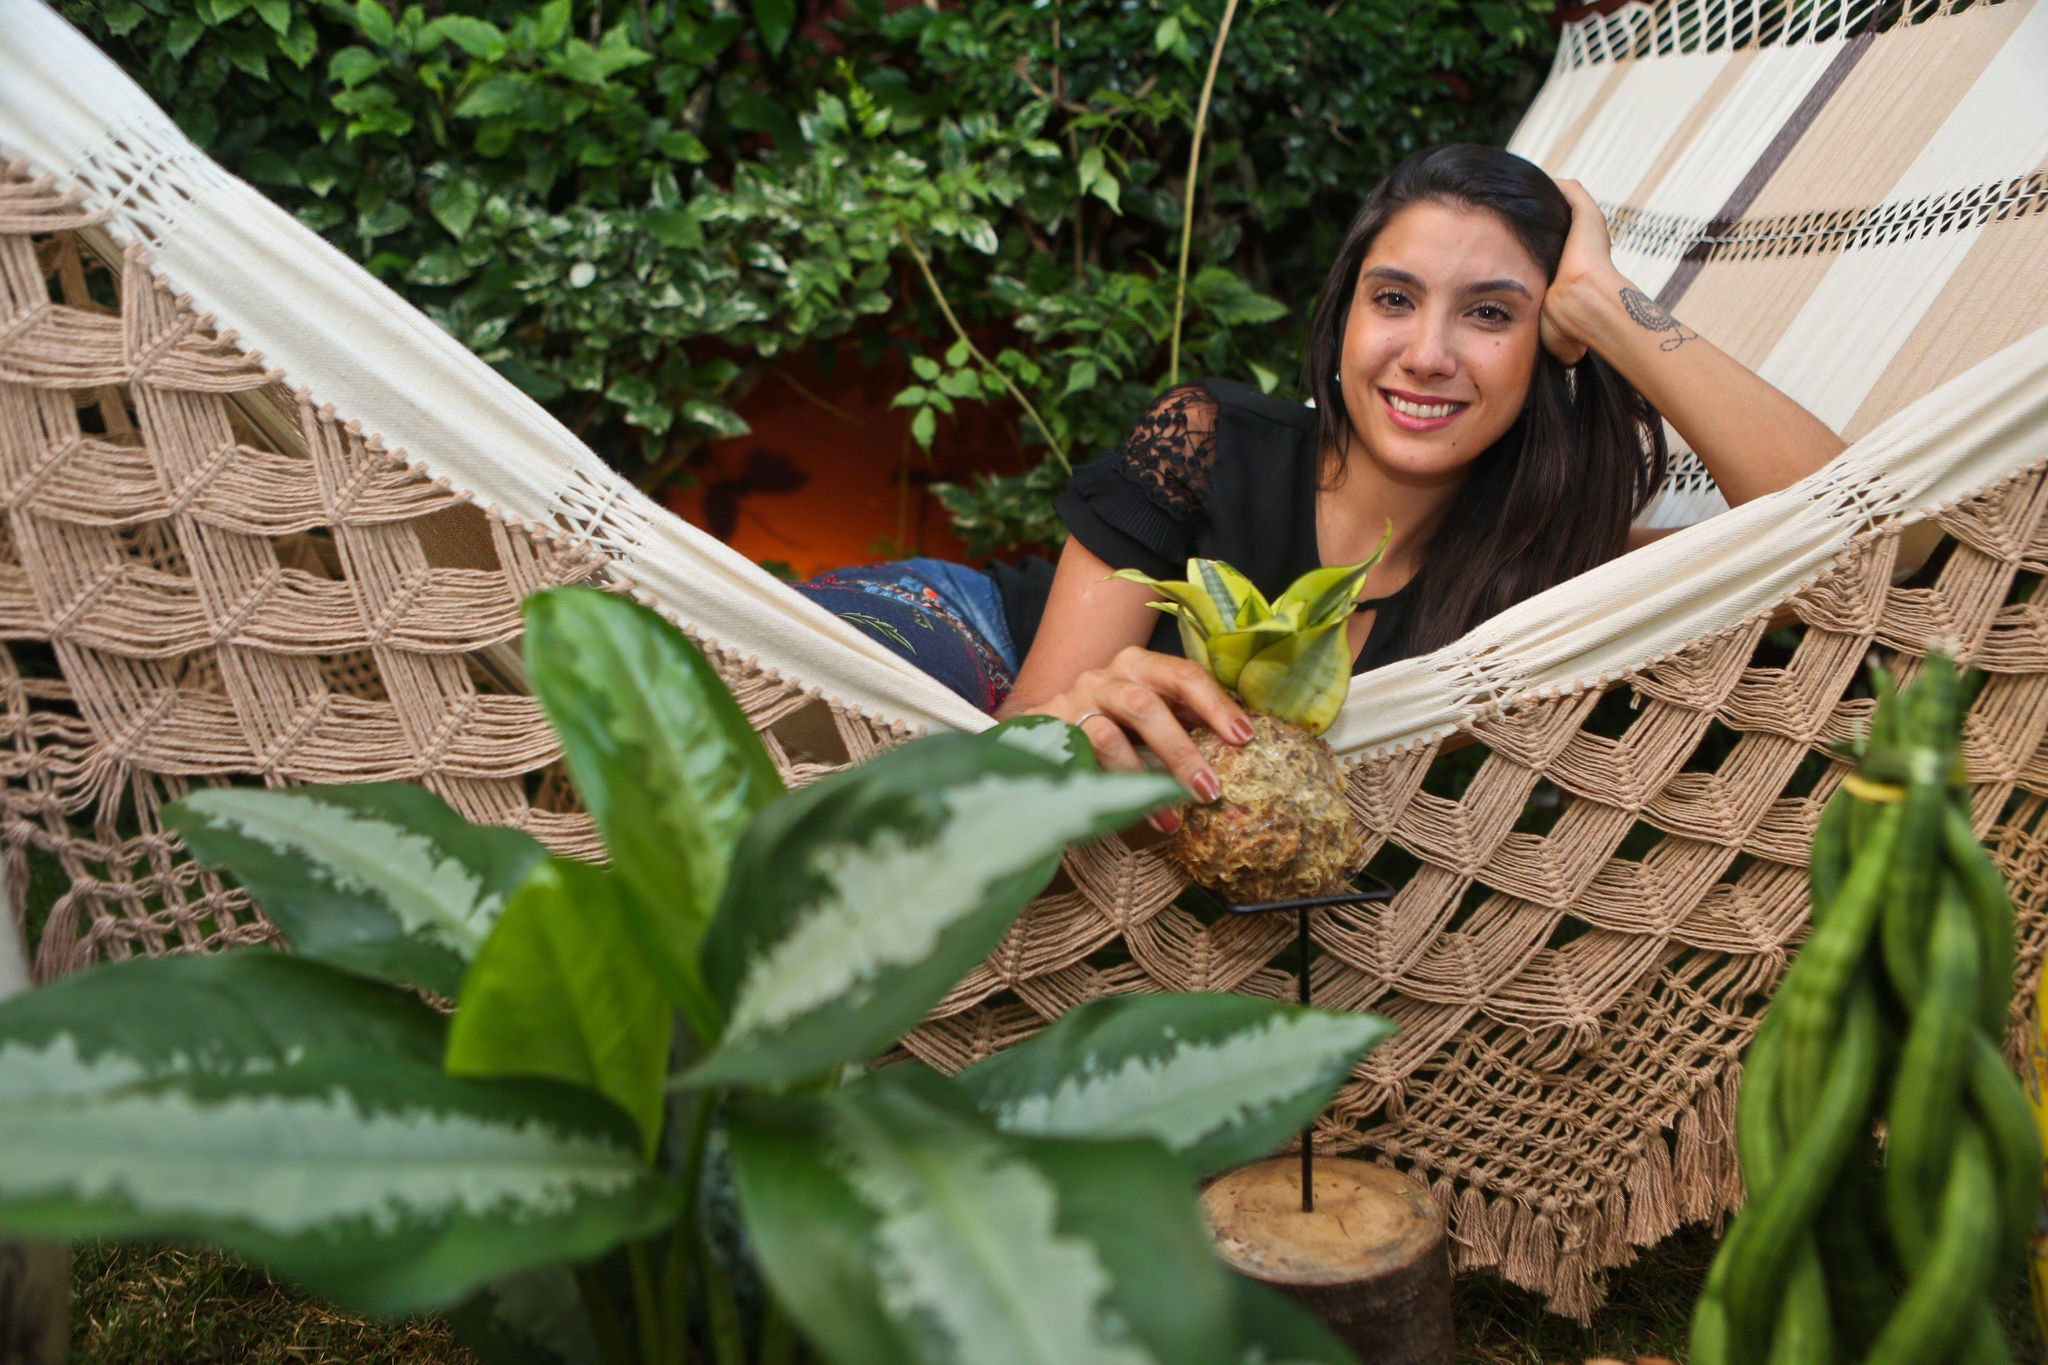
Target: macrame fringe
1685,1173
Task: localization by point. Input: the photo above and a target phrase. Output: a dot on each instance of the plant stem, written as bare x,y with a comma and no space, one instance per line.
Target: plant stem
683,1244
727,1343
604,1318
647,1305
960,332
778,1336
1187,213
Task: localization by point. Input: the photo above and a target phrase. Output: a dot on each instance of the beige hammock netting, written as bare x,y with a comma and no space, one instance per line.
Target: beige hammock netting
264,521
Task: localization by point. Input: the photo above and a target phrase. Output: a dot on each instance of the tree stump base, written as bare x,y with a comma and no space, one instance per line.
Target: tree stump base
1372,1261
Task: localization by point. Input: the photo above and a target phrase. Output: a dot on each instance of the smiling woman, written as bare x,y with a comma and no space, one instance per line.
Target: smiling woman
1484,380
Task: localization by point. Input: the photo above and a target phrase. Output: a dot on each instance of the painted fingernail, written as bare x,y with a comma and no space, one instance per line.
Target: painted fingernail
1166,821
1206,786
1242,732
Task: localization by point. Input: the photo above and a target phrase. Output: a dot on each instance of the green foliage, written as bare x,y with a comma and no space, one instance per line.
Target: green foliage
527,1162
631,210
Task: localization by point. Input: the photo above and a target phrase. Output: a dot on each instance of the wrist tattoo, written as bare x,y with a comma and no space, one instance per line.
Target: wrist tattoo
1648,313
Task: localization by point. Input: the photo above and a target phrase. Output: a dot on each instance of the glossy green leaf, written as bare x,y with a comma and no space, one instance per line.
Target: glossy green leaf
1230,651
1302,679
1048,737
1220,1079
283,1110
856,903
664,759
383,879
775,19
562,990
896,1227
375,22
454,204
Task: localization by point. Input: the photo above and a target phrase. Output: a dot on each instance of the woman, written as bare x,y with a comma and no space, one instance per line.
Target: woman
1484,380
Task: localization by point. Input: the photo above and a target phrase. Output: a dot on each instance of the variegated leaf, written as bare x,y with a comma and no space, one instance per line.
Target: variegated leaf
1303,678
1323,597
664,759
1238,600
897,1227
1203,612
856,903
324,1148
382,879
1220,1079
1048,737
562,990
1231,651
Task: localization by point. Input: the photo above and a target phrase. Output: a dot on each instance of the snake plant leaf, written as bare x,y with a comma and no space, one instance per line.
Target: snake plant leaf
536,1317
562,990
1323,597
1302,678
1049,737
1220,1079
896,1227
857,902
383,879
1230,652
1195,645
1279,1331
1238,601
284,1110
665,762
1198,607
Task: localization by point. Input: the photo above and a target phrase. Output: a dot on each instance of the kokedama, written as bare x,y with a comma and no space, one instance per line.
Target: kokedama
1281,828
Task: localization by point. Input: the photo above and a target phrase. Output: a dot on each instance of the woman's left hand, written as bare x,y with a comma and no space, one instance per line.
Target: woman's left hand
1587,261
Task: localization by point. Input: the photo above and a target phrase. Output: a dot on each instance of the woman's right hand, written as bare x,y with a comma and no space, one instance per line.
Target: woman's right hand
1152,698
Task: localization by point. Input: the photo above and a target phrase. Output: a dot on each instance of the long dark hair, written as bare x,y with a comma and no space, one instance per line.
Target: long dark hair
1552,497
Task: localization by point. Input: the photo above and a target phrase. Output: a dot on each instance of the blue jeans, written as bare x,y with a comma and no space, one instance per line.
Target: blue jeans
946,619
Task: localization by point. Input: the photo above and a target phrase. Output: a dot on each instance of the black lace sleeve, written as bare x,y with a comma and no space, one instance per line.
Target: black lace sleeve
1138,505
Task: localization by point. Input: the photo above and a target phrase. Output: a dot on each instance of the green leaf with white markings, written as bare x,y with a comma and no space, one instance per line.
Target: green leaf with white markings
664,759
562,990
856,903
307,1134
1220,1079
383,879
895,1226
1049,737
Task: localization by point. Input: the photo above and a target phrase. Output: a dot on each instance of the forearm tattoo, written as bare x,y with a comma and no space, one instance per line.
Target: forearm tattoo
1646,311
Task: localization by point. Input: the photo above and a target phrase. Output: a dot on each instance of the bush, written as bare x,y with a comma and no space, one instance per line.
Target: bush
633,210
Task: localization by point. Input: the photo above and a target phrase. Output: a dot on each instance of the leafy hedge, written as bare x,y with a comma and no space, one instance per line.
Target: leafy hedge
634,209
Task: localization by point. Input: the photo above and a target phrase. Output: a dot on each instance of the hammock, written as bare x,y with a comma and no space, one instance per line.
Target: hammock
265,521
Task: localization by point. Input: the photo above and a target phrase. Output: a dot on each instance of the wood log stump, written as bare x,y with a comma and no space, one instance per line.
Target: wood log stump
1372,1261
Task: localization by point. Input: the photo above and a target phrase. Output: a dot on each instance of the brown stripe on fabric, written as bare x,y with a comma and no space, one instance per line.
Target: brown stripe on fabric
1569,139
1891,107
1703,109
1759,175
1997,295
1744,307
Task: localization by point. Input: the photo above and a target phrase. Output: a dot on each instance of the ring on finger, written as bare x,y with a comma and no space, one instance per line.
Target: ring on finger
1082,720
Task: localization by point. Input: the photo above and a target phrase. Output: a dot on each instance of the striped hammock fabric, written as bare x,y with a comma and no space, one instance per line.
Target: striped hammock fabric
291,546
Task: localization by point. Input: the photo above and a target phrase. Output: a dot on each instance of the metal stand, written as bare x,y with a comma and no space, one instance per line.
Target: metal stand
1377,892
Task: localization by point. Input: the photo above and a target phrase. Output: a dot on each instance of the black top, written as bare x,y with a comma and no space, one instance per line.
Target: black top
1215,470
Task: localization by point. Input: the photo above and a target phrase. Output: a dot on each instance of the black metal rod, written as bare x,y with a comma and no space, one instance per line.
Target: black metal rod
1308,1134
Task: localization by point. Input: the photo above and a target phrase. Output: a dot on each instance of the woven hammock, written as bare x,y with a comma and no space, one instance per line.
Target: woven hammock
263,521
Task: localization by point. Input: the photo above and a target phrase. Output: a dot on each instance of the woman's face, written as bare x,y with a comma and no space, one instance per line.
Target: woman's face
1441,341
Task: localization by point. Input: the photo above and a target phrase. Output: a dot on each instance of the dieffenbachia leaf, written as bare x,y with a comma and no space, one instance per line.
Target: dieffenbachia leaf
1302,678
1220,1079
1279,1331
896,1227
561,989
1238,600
536,1317
856,903
1049,737
383,879
1197,607
665,762
283,1110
